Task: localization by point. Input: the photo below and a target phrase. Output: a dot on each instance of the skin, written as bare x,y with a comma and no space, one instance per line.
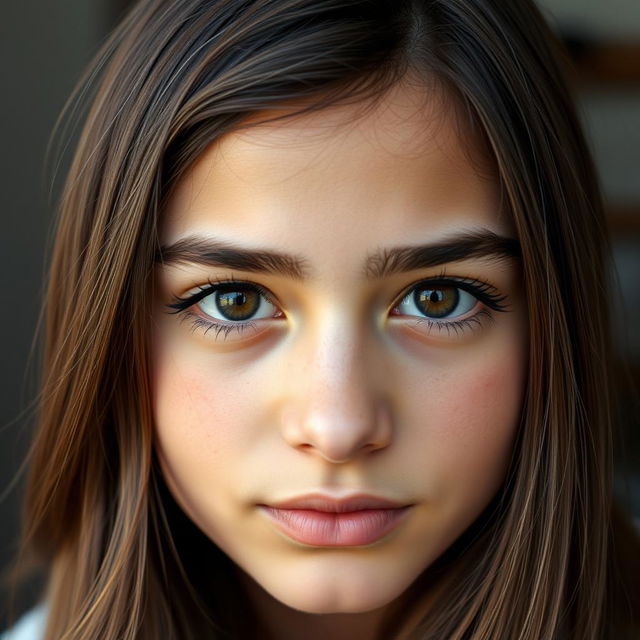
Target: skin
336,392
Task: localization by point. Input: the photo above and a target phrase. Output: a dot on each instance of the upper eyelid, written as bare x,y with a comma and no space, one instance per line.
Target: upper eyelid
480,289
182,303
441,278
471,285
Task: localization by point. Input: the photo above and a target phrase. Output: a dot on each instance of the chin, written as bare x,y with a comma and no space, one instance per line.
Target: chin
330,593
331,603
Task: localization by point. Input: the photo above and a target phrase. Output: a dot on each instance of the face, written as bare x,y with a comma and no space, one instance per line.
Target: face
338,328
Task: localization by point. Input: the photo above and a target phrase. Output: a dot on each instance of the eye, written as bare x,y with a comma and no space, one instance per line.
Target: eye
237,303
226,304
450,303
437,301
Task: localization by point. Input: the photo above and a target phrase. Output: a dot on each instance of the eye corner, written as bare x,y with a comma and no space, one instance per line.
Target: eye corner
177,305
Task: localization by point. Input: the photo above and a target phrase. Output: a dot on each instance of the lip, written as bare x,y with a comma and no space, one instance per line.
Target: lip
321,520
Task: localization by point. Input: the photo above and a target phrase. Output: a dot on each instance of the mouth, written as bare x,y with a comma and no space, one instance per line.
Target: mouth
319,520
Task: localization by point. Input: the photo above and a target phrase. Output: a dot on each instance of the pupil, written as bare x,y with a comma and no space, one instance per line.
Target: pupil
437,303
237,305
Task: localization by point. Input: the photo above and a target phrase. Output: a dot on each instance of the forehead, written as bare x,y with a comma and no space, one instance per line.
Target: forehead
389,165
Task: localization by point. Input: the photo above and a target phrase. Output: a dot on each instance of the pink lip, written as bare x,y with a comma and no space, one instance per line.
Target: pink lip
324,521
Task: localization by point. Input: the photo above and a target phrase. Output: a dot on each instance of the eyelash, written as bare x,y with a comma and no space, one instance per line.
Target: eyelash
182,305
486,293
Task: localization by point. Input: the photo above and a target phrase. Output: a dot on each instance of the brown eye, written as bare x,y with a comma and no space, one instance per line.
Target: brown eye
236,303
437,301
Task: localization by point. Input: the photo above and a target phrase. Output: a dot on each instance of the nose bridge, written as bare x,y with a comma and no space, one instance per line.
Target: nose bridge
337,411
335,372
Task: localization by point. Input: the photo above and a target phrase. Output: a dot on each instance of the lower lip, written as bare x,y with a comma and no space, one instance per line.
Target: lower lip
350,529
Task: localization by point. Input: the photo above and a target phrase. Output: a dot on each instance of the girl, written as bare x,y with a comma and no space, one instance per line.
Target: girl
327,344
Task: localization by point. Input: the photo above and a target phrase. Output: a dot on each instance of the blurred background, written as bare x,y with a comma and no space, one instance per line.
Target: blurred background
44,46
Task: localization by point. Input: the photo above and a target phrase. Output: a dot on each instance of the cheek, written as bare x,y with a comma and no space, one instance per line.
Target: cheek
198,407
185,407
481,404
468,415
202,425
485,411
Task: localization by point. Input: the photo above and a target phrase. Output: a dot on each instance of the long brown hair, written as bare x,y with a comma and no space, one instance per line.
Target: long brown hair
543,559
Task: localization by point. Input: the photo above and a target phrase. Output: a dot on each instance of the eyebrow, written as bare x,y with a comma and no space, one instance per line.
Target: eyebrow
210,252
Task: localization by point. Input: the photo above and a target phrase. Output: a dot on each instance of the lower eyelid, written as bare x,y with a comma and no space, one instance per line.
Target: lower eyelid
425,327
477,307
481,312
199,322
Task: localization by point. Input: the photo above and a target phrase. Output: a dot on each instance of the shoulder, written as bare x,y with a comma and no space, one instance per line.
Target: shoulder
29,627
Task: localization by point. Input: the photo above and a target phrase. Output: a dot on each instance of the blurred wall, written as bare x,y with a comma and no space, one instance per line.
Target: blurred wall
610,19
43,47
605,39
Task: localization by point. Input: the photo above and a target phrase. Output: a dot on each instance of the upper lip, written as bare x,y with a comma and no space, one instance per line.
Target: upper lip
320,502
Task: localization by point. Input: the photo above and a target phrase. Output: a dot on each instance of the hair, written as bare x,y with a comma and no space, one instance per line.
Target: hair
551,556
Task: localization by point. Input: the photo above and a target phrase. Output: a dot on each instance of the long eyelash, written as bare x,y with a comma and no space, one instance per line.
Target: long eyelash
200,323
180,304
457,326
485,292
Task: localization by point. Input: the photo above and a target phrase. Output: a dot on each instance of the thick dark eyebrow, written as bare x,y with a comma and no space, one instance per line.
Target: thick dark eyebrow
209,252
480,243
382,263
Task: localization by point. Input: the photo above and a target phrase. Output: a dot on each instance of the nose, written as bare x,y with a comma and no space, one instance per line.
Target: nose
336,408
